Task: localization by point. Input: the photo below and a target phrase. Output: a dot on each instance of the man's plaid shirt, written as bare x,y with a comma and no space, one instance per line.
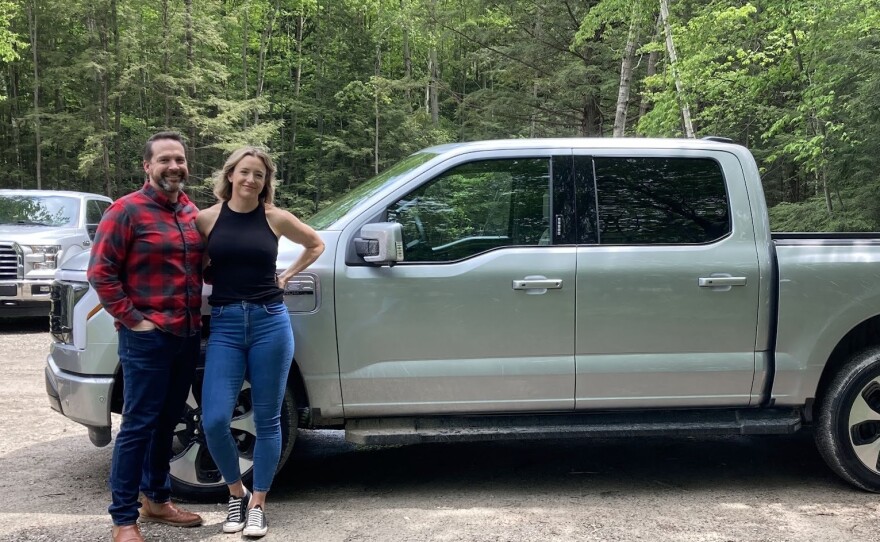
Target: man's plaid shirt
147,262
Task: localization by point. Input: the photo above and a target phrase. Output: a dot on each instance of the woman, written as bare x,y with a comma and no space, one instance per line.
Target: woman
250,328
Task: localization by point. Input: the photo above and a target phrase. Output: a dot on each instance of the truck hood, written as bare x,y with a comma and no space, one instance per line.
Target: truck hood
288,251
35,235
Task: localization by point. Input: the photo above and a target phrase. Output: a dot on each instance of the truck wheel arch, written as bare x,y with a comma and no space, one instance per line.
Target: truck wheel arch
862,336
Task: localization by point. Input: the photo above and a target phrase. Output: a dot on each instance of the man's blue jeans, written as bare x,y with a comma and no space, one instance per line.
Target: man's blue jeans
158,369
255,342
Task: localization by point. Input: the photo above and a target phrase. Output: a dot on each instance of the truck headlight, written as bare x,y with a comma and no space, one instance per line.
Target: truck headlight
42,256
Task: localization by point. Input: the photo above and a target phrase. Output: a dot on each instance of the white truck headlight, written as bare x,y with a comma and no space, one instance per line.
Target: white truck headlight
42,256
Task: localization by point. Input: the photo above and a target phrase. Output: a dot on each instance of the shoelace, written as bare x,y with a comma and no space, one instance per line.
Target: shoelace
234,515
255,517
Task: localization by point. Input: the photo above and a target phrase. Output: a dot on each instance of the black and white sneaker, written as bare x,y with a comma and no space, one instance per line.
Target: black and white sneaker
256,523
235,518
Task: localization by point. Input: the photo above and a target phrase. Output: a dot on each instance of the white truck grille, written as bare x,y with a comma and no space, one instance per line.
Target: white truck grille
10,262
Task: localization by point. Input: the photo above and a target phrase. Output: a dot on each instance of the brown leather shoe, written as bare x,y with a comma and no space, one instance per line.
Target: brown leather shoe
126,533
168,514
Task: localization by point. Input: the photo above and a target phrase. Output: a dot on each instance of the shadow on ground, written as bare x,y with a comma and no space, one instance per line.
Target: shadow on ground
24,325
323,462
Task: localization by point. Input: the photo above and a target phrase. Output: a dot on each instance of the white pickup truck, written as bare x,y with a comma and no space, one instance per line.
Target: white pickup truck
546,288
39,230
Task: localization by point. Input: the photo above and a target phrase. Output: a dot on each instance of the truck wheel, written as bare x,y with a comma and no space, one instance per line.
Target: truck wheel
848,422
194,476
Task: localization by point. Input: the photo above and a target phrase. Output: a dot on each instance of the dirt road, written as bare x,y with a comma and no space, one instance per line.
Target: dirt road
53,484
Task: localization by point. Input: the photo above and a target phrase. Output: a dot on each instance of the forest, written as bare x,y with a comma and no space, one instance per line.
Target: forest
340,90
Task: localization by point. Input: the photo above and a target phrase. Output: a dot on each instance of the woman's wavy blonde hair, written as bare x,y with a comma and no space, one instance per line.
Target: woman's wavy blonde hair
222,185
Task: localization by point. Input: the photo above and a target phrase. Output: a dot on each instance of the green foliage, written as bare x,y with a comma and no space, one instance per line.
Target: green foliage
337,89
9,41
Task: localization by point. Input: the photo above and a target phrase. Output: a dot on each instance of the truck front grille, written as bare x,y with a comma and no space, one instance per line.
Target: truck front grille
63,297
10,262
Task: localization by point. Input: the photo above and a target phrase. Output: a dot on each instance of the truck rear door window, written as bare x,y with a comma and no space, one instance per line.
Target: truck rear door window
645,201
476,207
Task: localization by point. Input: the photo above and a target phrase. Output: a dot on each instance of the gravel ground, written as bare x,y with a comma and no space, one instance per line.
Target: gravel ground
53,485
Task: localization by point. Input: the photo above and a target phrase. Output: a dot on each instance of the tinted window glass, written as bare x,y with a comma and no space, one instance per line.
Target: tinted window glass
94,210
474,208
326,217
660,201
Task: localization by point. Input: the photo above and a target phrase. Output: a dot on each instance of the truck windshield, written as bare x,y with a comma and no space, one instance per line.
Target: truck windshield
38,210
327,216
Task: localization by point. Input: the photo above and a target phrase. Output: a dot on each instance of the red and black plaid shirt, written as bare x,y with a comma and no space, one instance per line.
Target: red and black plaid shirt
147,262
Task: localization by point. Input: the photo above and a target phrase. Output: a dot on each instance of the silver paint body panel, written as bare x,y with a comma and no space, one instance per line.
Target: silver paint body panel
825,290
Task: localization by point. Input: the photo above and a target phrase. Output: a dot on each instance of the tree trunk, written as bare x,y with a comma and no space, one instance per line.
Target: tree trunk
320,100
822,180
376,110
297,84
32,27
244,60
625,78
591,118
433,98
433,71
117,105
14,118
166,62
105,127
653,57
104,92
190,65
533,117
673,62
265,37
407,62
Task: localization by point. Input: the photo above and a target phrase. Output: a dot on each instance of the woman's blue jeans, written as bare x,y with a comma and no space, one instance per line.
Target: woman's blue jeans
158,370
253,342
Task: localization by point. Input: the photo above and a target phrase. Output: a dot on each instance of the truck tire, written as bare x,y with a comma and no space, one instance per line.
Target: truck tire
194,476
848,422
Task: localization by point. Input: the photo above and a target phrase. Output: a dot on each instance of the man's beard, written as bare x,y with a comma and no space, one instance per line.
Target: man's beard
166,186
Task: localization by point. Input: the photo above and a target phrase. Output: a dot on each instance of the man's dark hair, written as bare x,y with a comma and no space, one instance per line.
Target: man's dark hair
148,148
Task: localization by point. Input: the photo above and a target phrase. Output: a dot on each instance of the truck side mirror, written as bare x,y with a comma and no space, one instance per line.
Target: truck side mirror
380,243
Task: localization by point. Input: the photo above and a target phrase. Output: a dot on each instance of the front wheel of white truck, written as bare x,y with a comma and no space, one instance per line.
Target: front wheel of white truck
848,421
194,476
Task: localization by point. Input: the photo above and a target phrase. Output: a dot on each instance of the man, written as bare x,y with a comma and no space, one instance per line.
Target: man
146,267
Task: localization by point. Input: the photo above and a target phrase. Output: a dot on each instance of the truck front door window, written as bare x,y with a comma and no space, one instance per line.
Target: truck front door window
644,201
474,208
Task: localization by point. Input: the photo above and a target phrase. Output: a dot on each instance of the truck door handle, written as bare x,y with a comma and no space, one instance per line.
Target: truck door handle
537,284
713,282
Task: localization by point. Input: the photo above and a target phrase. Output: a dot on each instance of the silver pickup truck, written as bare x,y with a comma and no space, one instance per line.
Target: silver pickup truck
40,229
546,288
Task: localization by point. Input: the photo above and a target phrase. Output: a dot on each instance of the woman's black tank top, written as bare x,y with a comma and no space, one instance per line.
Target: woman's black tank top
243,251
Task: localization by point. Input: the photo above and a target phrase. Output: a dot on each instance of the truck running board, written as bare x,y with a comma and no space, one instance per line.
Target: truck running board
383,431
